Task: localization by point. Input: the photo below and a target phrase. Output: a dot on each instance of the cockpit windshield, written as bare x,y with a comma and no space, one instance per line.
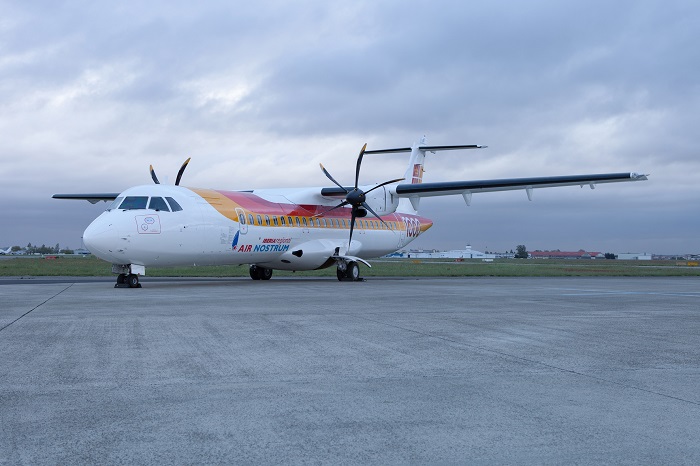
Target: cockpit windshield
140,202
173,204
158,203
134,202
115,203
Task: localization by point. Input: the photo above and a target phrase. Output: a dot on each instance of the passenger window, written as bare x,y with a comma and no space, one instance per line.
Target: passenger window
290,221
259,220
250,219
282,221
267,220
324,223
297,219
134,202
303,220
241,219
158,203
115,203
274,220
174,206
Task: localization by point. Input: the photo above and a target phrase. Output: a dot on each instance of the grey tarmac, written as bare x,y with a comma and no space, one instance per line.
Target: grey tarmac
387,371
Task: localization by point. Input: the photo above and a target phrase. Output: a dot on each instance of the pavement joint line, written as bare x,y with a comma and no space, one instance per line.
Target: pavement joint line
36,307
589,292
502,353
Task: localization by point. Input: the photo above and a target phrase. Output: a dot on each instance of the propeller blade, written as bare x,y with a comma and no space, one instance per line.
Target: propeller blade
352,225
182,170
153,175
331,178
359,162
342,204
366,206
385,183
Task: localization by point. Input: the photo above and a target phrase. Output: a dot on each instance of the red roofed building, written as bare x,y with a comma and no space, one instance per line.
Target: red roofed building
566,255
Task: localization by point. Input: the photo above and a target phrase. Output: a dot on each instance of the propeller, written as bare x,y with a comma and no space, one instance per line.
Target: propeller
357,197
179,173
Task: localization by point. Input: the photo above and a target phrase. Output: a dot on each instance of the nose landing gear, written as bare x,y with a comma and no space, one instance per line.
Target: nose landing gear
128,275
127,281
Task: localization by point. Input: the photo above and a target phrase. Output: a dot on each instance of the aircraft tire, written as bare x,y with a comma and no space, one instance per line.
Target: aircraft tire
133,280
265,273
121,279
254,272
353,271
340,274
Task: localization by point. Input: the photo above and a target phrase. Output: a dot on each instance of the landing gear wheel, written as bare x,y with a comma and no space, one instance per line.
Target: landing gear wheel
353,271
121,279
265,273
260,273
350,273
133,281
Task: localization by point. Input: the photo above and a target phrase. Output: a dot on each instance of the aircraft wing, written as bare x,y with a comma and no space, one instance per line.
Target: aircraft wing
482,186
92,198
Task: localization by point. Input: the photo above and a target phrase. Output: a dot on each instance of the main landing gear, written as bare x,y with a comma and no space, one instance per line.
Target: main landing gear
348,271
130,280
260,273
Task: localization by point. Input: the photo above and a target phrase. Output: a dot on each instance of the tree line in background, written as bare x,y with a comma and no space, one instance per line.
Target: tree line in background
43,249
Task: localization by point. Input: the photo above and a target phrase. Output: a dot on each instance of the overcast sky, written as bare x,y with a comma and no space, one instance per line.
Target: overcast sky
258,93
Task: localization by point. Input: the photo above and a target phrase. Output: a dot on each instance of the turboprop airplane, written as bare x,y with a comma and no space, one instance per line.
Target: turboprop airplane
285,229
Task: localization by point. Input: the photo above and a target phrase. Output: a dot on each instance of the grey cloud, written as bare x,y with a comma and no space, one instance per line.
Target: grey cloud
93,93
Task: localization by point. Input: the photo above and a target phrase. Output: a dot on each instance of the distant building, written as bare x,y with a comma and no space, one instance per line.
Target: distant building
467,253
566,255
634,256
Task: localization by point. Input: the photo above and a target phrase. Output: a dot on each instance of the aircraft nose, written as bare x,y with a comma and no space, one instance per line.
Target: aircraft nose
100,237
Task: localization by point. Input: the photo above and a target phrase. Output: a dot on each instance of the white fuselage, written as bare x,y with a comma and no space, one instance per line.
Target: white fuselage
274,229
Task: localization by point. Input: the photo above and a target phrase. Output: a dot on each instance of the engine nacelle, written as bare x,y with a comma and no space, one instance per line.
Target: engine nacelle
381,200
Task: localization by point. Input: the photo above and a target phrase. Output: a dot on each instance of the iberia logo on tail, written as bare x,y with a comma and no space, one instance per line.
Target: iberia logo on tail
417,174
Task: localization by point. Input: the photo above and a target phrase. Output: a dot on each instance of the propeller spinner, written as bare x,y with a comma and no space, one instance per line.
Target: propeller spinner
356,197
179,173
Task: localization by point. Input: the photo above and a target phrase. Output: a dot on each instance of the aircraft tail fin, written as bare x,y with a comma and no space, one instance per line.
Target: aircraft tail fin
413,175
414,171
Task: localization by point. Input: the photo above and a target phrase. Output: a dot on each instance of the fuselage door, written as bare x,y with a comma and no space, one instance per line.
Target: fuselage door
242,223
402,231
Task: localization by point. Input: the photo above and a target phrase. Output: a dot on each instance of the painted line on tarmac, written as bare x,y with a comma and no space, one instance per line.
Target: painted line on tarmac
36,307
584,292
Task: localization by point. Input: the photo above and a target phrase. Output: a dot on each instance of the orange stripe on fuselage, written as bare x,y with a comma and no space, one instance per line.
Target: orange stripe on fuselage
226,203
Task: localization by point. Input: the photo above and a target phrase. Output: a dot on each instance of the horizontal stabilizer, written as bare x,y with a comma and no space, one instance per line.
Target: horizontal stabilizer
424,148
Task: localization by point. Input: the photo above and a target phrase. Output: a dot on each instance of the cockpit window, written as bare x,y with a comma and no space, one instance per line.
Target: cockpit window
115,203
134,202
158,203
174,206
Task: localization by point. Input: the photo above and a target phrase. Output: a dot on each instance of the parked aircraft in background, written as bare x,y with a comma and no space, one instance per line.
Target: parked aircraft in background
286,229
